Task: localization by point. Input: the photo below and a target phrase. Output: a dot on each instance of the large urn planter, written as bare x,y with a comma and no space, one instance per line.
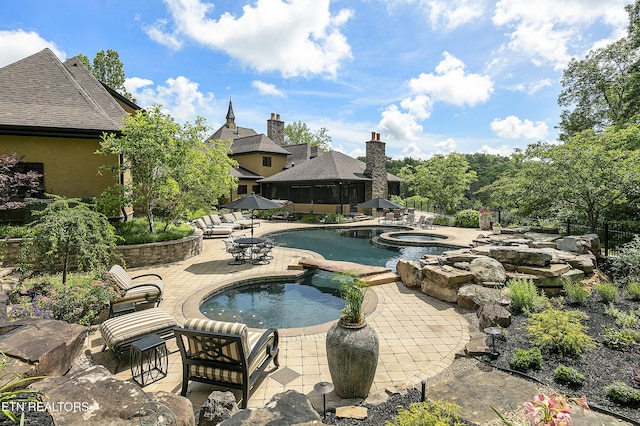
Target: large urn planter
352,353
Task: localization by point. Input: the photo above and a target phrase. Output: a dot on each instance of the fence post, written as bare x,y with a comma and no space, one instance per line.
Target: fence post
568,226
606,239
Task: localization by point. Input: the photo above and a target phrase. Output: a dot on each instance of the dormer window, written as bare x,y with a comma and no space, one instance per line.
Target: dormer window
266,161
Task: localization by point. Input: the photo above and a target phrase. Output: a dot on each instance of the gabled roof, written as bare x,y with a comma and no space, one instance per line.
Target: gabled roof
256,143
242,173
300,153
327,166
225,133
41,95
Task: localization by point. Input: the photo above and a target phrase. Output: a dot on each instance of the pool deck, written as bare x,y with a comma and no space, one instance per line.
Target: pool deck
418,334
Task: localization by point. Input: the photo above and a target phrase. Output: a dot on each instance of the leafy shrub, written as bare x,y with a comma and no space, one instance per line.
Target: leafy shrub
624,319
620,340
633,290
568,375
524,295
429,413
137,232
311,218
623,393
79,301
467,219
560,331
334,218
577,292
526,359
627,263
608,292
442,220
13,231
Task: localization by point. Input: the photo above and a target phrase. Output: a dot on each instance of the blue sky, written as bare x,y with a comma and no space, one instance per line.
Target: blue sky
431,76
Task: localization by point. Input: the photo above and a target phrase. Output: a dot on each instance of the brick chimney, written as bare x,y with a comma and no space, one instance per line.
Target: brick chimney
275,129
376,168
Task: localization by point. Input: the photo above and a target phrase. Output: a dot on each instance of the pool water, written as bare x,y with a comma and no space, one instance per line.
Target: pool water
353,245
311,300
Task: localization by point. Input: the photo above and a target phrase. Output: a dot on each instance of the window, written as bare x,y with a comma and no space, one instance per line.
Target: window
242,189
266,161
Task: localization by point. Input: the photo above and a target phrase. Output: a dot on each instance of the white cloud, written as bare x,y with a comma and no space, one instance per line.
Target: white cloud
293,37
419,107
18,44
514,128
179,97
266,88
452,84
451,14
445,147
532,88
546,30
157,32
413,150
503,150
399,125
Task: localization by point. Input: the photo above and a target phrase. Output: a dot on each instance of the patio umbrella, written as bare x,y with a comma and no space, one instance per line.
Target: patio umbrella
379,203
252,202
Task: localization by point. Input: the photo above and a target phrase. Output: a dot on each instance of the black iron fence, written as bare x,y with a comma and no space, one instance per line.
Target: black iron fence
612,237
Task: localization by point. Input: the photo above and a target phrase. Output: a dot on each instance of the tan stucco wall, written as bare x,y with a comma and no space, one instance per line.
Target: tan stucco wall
253,162
70,165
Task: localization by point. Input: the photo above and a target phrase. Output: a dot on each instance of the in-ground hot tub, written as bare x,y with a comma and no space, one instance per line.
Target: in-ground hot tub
412,238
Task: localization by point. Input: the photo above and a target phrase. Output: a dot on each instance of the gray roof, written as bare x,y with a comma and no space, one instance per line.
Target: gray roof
300,153
256,143
327,166
42,94
242,173
225,133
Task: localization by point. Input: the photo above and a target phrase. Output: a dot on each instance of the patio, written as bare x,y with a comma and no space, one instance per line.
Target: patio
418,335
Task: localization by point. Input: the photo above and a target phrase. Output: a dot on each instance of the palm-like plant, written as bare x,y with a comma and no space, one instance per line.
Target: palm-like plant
12,391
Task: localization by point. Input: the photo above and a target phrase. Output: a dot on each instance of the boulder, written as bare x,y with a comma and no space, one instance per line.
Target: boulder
410,272
180,407
461,255
473,296
520,255
94,396
286,408
491,315
589,243
39,347
487,269
553,270
584,262
218,407
446,275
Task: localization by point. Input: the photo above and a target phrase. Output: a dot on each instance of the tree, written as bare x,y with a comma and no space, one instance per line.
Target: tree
16,185
488,169
299,132
171,167
442,179
584,177
108,68
604,88
69,228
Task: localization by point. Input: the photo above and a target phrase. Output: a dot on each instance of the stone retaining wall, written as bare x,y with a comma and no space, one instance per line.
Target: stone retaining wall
135,255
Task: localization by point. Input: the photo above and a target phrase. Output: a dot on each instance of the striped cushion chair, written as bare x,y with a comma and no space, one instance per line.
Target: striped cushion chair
225,354
137,292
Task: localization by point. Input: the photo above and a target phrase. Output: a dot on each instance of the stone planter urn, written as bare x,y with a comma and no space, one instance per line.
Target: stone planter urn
485,221
352,353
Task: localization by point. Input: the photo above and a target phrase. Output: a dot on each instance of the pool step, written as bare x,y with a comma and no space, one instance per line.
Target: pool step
295,265
384,278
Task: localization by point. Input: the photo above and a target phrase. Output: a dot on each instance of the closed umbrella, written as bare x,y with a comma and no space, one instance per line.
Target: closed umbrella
379,203
252,202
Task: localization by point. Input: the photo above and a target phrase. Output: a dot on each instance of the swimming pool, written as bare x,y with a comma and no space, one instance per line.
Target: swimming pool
354,245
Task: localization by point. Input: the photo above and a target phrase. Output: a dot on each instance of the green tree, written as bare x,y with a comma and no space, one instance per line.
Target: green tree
171,167
299,132
69,228
441,179
603,89
108,68
584,177
488,169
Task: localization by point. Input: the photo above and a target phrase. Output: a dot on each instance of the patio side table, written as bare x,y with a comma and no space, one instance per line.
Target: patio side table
149,359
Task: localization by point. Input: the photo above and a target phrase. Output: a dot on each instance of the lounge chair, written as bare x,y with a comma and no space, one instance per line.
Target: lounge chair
213,231
241,219
139,292
225,354
230,218
217,221
118,333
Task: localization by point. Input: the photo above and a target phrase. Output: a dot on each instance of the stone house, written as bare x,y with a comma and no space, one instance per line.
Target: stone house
313,180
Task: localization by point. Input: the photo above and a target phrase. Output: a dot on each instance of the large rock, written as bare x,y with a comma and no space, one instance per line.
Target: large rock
491,315
582,244
218,407
584,262
443,282
461,255
38,347
520,255
287,408
473,296
487,269
553,270
410,272
101,399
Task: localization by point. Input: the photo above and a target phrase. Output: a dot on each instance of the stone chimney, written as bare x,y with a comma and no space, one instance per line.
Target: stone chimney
275,129
376,168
